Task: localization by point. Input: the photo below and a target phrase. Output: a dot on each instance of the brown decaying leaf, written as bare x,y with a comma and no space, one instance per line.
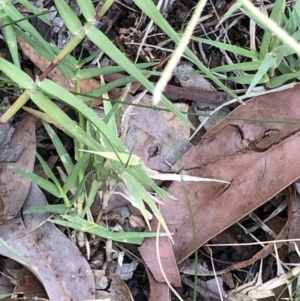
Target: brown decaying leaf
14,187
158,290
53,258
260,159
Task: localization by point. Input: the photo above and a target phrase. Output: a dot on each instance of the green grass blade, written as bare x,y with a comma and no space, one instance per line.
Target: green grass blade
98,38
276,16
61,150
229,12
87,9
67,66
50,108
248,66
95,187
11,40
138,193
148,7
266,64
94,72
17,75
70,19
15,15
246,79
74,102
280,80
45,184
234,49
35,11
48,171
79,166
78,223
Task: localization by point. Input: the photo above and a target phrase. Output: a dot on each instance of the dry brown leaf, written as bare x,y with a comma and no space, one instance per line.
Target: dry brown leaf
14,187
259,159
158,138
53,258
158,290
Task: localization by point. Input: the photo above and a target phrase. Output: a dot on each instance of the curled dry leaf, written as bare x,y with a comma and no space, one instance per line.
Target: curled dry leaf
52,257
14,187
259,158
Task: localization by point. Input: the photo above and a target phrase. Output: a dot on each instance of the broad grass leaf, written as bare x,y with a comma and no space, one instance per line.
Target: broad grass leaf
87,9
16,74
11,40
41,182
35,11
16,16
69,17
